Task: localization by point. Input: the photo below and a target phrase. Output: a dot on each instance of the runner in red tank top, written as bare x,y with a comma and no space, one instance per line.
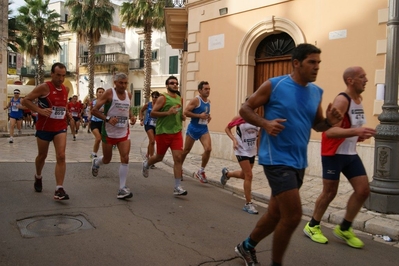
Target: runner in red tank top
51,125
74,110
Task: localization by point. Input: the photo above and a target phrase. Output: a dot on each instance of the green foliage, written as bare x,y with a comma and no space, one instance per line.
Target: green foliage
14,40
40,30
136,110
89,19
147,15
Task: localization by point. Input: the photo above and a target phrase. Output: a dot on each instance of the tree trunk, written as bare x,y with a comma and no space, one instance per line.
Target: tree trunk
90,66
147,60
40,58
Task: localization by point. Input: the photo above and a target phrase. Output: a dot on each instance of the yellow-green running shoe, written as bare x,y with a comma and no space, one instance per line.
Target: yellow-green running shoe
349,236
315,234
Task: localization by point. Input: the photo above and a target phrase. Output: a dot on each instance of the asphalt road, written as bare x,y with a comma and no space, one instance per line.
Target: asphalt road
152,228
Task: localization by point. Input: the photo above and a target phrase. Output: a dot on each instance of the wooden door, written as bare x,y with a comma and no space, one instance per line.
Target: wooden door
266,68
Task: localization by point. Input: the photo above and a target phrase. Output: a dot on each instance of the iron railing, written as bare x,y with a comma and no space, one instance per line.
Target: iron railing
176,3
137,63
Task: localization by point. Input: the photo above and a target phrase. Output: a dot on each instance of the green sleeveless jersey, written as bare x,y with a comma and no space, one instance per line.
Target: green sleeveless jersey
170,124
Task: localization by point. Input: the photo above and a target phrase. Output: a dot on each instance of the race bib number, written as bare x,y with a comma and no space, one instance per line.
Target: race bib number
14,107
74,113
122,120
152,122
58,112
203,121
250,143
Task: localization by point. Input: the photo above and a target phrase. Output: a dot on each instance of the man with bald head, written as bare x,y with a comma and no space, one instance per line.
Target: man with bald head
338,150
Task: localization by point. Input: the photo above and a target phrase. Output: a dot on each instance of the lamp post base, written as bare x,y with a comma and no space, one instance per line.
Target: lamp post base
388,204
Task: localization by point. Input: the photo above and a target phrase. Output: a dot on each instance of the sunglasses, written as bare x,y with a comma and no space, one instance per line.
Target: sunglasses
173,83
154,97
16,92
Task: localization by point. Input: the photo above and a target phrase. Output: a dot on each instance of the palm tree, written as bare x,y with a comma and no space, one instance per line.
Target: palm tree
89,19
40,30
148,15
14,39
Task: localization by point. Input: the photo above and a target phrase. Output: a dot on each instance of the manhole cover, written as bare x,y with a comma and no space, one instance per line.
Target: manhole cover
53,225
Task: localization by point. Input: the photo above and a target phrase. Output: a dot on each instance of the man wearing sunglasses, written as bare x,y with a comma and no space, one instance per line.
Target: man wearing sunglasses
168,110
16,114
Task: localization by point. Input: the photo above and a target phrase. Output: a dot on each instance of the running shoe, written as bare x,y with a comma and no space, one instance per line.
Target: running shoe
92,156
315,234
250,208
94,167
348,236
38,184
144,169
10,140
124,193
74,138
153,166
179,191
201,176
249,256
60,194
224,178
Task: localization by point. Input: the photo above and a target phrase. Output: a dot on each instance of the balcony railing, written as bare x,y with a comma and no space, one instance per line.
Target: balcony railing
177,3
105,58
137,63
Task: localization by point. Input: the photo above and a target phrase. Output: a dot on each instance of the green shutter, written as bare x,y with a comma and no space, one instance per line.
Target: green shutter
173,61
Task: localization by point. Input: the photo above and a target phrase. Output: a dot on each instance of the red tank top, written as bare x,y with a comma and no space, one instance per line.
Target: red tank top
57,101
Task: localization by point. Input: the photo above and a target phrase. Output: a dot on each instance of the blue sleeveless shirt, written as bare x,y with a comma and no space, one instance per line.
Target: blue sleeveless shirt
298,104
149,121
15,112
201,108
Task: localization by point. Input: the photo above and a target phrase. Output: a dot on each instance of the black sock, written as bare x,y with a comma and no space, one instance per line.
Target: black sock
345,225
313,222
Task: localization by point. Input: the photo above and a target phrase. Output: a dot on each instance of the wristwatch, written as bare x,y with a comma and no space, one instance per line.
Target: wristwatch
107,119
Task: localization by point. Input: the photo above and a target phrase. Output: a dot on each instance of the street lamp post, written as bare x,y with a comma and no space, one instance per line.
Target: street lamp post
384,196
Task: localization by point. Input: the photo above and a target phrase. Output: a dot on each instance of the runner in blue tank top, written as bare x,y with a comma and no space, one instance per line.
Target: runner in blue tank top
198,109
149,124
16,114
292,107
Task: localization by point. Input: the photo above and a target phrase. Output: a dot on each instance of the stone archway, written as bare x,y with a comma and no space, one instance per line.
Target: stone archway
247,49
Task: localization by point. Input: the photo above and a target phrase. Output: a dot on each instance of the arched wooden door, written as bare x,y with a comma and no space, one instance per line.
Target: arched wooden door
273,57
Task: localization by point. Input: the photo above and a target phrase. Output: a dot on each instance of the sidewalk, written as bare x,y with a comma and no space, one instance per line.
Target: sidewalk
373,223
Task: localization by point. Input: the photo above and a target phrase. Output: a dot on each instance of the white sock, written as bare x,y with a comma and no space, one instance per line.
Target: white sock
123,174
99,161
177,181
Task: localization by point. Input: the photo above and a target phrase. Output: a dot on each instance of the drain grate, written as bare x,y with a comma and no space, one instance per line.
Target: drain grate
54,225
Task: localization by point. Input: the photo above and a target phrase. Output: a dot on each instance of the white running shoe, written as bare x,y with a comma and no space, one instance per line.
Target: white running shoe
124,193
179,191
144,169
94,167
250,208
